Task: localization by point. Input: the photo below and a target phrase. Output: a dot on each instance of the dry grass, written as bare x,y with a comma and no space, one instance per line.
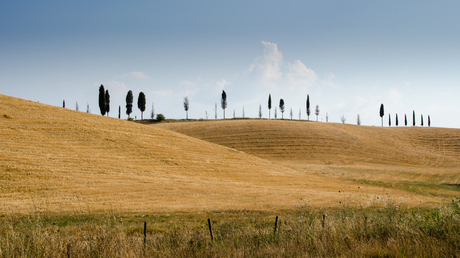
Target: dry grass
331,143
80,185
346,232
413,159
59,160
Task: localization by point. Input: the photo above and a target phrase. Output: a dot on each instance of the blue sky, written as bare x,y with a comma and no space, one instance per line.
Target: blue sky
349,56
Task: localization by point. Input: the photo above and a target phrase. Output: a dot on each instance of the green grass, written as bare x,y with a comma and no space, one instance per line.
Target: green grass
373,232
417,187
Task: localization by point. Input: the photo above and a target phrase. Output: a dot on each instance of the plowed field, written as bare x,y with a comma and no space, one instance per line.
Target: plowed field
416,159
59,160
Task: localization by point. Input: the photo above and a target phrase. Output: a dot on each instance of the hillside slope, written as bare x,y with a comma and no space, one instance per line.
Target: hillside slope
59,160
330,143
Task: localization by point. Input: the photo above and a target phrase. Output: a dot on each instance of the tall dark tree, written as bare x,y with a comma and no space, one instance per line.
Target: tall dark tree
107,102
421,120
223,101
308,107
260,111
429,121
291,114
282,108
358,120
141,103
317,112
63,103
382,112
389,120
186,106
397,122
405,119
129,103
102,106
119,112
413,118
269,104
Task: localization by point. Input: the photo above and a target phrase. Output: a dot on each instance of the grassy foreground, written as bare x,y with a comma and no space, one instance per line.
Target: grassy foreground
347,232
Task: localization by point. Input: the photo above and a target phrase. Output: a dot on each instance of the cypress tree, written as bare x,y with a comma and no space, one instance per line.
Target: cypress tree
102,106
186,106
129,103
429,121
421,120
389,120
223,101
397,122
260,111
308,107
405,119
317,112
413,118
107,102
141,103
282,108
382,112
269,104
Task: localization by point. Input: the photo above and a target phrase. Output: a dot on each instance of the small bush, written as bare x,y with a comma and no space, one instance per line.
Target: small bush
160,117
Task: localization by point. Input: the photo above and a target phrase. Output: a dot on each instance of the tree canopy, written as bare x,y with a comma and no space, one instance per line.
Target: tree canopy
102,106
129,103
223,101
141,103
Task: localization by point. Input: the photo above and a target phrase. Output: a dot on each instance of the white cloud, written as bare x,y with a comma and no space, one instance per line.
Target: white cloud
138,75
221,84
269,64
330,81
116,89
299,74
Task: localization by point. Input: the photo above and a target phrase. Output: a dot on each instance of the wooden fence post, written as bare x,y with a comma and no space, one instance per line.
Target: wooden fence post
145,231
276,224
210,230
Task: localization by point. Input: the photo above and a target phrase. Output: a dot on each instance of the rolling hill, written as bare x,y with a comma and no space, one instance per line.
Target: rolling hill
331,143
59,160
415,159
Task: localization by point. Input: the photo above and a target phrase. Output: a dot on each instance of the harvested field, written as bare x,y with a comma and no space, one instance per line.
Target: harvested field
331,143
414,159
57,160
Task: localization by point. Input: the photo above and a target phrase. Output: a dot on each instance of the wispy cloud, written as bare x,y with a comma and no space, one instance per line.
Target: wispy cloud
299,74
272,71
269,64
329,81
116,89
221,84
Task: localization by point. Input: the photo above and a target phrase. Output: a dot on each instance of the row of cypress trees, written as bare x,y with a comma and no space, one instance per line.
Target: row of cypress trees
104,102
382,113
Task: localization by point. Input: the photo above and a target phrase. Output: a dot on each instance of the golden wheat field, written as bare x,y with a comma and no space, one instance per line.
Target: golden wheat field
57,160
